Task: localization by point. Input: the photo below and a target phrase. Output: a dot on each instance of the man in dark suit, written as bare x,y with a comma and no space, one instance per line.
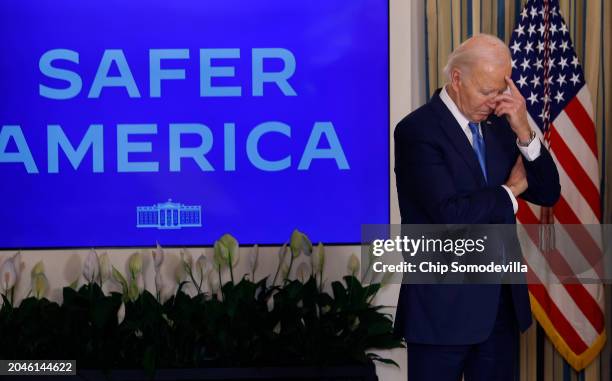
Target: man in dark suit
464,158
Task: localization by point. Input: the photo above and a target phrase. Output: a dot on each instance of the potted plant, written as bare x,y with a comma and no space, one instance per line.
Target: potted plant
272,328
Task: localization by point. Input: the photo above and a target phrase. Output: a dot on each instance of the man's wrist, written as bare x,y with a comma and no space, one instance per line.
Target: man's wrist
524,139
514,189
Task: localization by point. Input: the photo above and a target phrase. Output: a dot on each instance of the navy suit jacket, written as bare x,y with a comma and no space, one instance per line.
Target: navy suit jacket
439,181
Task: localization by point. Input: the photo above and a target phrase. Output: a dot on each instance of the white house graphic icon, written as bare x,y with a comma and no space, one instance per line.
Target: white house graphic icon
169,215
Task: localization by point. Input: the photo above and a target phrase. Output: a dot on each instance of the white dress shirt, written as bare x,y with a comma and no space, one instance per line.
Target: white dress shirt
530,153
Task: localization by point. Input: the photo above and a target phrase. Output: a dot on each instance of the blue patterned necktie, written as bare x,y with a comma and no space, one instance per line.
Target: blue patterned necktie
479,147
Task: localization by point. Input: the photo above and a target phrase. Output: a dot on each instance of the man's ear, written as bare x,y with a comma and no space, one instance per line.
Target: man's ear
455,79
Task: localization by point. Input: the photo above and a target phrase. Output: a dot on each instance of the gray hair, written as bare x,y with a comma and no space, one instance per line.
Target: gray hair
478,48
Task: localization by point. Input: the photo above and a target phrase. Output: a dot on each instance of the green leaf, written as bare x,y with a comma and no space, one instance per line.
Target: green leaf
69,295
5,303
379,328
371,290
339,292
386,361
103,312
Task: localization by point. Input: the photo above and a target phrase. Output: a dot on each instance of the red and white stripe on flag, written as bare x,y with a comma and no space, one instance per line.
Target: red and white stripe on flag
549,75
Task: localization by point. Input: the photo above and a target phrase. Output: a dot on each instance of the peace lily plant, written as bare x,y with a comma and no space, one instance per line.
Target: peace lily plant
209,317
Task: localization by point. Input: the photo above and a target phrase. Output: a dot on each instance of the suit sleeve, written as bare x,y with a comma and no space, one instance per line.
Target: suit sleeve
543,180
422,175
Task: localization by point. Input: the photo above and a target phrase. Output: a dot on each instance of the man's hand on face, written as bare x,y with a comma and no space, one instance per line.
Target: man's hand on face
513,106
517,181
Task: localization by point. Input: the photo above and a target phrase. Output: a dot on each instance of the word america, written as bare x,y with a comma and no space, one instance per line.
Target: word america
93,141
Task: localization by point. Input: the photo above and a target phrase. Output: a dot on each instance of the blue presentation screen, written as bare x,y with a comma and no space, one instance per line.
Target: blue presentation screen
130,122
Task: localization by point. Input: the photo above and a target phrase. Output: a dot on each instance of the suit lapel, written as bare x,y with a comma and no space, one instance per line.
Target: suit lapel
455,134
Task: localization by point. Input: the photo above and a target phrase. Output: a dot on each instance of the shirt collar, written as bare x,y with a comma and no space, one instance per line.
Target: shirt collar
452,107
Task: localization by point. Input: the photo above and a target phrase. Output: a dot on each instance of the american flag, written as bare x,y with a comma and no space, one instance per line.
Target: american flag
546,70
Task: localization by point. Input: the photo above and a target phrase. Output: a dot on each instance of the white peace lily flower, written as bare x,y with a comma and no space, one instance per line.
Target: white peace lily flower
202,266
140,283
270,303
19,265
159,281
253,259
220,253
306,245
284,271
371,256
105,267
231,255
166,292
91,267
368,276
300,244
186,260
213,282
353,264
121,313
39,268
318,259
158,257
40,285
135,264
39,280
295,243
303,272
